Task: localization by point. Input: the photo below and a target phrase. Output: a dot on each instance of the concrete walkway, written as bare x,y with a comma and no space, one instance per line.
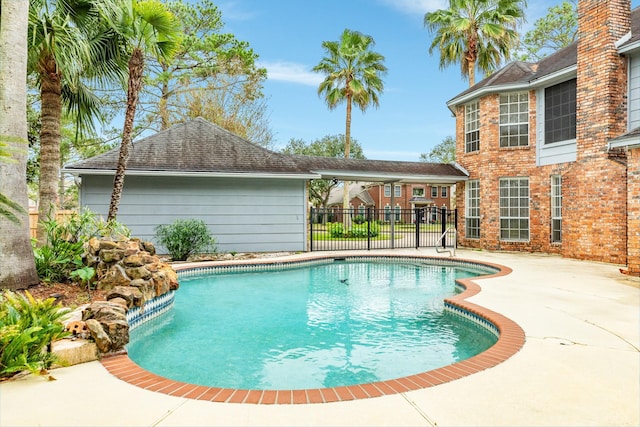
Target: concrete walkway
580,366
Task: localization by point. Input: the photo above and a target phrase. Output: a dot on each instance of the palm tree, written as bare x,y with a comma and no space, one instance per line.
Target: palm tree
17,264
353,74
69,43
476,33
143,27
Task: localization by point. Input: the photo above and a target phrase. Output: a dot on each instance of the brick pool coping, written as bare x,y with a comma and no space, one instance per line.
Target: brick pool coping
510,340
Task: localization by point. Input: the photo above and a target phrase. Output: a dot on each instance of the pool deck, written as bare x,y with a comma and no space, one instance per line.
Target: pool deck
579,366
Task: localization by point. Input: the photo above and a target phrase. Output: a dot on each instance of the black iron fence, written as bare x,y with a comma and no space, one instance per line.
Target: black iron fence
370,228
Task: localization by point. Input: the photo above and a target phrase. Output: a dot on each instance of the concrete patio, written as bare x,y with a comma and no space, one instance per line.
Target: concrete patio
580,366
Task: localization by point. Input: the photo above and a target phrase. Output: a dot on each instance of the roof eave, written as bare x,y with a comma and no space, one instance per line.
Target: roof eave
525,85
133,172
631,142
373,176
630,48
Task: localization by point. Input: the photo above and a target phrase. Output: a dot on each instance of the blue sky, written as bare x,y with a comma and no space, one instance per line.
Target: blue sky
412,116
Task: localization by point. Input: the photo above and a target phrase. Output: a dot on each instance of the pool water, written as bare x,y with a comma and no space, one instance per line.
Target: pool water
336,324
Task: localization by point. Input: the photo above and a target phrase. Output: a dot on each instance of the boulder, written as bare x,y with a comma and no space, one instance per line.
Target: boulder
98,334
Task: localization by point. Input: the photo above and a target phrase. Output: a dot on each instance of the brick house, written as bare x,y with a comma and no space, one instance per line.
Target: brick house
406,196
552,148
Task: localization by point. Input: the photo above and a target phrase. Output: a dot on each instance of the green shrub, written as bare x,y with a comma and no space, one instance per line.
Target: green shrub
63,250
185,237
27,328
362,230
336,229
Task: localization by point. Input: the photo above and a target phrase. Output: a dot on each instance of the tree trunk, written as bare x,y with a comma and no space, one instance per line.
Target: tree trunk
163,104
17,264
346,219
136,68
50,90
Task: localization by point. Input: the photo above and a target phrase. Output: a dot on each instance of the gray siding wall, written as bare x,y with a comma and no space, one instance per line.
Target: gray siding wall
551,154
243,214
634,92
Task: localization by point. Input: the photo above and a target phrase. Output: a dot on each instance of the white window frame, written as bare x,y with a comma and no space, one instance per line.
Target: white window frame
397,189
472,209
514,119
556,208
443,191
434,192
419,193
472,127
387,190
515,200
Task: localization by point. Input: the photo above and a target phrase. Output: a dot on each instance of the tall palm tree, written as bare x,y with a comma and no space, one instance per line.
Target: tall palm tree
476,33
353,74
145,26
17,264
69,44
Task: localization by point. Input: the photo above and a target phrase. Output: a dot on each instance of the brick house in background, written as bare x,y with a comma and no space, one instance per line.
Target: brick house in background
553,148
405,197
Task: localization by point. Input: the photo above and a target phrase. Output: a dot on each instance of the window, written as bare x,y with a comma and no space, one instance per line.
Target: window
387,213
472,127
361,210
418,192
443,191
434,192
514,120
387,190
397,213
397,190
514,209
560,112
556,208
472,209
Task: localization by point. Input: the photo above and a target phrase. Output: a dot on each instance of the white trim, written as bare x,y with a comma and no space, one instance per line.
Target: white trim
386,178
133,172
630,142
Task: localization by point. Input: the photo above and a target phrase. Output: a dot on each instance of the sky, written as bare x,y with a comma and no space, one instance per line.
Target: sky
412,116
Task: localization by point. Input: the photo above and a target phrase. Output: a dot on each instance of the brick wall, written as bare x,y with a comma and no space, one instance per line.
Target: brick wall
595,191
594,187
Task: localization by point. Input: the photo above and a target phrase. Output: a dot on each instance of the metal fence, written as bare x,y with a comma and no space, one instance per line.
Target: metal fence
337,229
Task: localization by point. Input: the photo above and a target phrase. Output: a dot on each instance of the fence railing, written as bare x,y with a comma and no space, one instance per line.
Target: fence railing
371,228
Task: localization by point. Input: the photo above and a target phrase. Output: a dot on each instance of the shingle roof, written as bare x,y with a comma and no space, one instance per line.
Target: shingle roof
635,29
198,146
525,73
381,167
195,146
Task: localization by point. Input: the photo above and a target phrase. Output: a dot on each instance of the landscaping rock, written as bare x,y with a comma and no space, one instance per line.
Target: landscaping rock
102,340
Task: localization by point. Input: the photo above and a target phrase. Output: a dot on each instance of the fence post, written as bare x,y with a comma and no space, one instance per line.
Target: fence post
313,214
417,216
443,225
369,228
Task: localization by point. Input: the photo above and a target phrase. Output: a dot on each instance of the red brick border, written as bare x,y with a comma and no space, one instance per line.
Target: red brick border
509,342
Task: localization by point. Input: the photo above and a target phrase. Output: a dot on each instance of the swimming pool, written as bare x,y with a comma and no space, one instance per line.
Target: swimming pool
326,323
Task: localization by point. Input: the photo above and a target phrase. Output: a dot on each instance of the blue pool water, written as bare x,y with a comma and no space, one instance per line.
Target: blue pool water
340,323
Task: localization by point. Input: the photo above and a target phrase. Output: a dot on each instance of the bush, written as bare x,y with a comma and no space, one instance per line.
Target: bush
361,230
27,329
62,253
185,237
336,229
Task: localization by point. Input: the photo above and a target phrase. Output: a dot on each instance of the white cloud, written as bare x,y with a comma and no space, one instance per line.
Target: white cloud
291,72
412,7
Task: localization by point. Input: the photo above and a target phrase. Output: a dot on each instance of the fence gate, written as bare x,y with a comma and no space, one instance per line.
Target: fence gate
344,229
